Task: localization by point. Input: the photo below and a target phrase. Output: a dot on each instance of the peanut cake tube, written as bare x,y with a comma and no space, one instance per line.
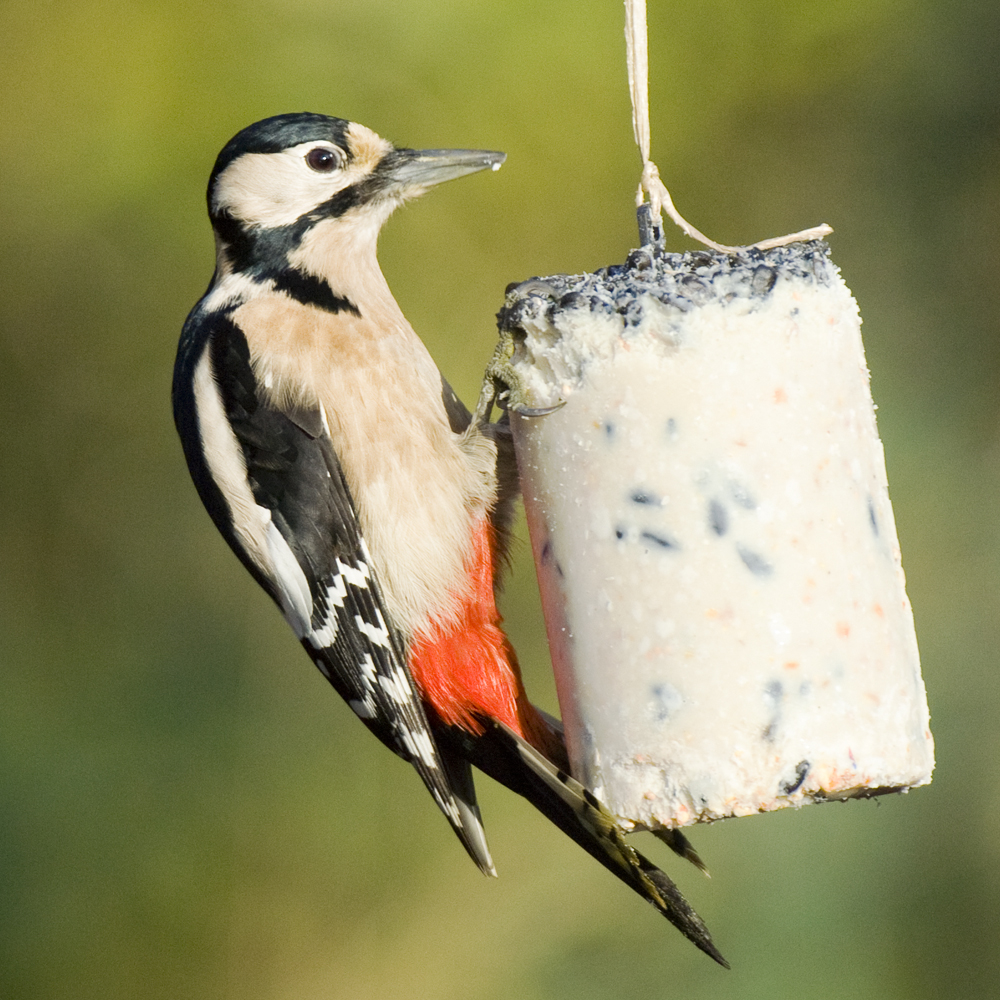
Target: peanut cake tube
711,526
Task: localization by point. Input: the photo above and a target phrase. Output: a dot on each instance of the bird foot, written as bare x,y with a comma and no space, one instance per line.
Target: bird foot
505,387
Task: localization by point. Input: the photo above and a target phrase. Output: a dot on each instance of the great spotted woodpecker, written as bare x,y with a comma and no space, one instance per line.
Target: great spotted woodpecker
358,490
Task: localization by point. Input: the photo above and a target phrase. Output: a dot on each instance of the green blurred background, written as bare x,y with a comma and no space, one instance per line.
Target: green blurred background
187,808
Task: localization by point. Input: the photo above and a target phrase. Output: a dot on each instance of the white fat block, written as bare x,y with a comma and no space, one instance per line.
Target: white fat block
711,527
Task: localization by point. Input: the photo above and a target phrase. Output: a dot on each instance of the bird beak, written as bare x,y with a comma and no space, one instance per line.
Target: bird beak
408,171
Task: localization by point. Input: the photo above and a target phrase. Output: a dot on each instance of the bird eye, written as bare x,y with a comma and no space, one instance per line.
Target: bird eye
322,160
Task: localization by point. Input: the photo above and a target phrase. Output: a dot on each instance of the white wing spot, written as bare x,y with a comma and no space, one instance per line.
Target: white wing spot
397,686
448,808
326,423
368,673
355,577
226,464
378,634
419,744
336,591
364,708
326,634
296,601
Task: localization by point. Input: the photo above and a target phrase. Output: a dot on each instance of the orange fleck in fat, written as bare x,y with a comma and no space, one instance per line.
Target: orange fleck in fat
843,629
780,396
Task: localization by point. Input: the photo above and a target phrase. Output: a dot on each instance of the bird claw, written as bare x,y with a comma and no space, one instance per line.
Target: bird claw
528,411
504,387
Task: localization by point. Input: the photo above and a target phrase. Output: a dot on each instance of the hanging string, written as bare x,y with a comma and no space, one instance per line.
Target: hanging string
659,196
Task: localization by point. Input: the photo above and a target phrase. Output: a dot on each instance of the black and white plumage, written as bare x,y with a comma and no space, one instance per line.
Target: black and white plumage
356,488
272,483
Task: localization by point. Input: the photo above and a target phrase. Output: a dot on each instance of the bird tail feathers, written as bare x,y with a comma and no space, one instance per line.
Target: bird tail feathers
512,761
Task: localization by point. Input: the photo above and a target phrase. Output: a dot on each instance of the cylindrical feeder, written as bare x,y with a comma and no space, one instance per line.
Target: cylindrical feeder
711,526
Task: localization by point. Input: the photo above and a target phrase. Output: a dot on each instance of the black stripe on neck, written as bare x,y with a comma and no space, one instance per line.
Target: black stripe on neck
311,290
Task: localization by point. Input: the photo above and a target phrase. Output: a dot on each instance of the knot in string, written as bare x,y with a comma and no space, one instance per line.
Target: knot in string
650,183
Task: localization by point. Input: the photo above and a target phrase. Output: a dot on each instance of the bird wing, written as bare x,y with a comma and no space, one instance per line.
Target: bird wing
277,464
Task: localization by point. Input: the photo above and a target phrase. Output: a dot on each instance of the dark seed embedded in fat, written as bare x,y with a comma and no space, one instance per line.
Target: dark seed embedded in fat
763,279
666,700
873,520
754,562
695,289
639,260
742,496
679,282
659,540
801,770
718,518
773,693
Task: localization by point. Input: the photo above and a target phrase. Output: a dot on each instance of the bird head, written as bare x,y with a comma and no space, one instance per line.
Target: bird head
280,178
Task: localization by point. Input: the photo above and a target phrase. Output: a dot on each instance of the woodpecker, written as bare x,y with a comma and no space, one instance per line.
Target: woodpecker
357,489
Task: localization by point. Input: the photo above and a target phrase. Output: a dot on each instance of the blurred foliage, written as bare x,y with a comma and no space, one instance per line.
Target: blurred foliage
187,809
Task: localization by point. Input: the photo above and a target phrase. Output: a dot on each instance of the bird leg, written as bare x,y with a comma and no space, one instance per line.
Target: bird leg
505,387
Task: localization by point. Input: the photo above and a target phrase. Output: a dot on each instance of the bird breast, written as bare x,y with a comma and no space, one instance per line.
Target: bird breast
419,489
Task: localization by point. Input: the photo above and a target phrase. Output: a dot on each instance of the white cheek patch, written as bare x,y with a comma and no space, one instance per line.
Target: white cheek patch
275,189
